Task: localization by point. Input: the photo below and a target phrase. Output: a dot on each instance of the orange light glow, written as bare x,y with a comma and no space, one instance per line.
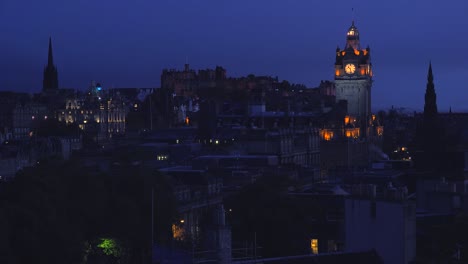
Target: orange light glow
178,232
352,133
327,135
337,72
187,120
373,117
356,52
314,245
380,130
343,53
346,120
363,71
365,52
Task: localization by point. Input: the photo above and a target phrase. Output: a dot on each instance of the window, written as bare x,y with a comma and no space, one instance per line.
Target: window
314,245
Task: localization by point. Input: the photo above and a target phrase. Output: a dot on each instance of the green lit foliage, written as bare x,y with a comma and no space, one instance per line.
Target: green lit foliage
110,247
58,211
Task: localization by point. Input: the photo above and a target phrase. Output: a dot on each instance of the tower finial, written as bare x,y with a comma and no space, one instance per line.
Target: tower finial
430,77
352,16
430,104
51,58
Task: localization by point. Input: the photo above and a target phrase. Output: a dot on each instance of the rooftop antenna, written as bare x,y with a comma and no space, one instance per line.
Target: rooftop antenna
353,15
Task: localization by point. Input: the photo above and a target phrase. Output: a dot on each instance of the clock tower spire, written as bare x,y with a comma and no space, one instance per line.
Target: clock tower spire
353,76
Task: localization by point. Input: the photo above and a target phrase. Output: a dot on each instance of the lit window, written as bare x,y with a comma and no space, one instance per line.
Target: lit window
326,134
178,232
346,120
314,245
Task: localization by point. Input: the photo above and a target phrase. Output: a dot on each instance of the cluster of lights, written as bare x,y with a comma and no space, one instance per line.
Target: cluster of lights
162,157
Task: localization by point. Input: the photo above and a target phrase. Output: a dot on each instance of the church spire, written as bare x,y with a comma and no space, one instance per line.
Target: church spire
430,104
50,61
50,81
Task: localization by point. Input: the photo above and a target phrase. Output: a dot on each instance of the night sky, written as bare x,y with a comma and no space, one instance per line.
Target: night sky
127,43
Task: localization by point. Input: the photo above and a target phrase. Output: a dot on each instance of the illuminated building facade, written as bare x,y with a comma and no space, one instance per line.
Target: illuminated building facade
101,113
352,136
353,76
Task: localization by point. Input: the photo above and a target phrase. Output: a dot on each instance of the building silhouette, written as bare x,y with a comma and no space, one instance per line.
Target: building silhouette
50,81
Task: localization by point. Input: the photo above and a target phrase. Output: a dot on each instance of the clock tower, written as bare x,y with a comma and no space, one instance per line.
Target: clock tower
353,77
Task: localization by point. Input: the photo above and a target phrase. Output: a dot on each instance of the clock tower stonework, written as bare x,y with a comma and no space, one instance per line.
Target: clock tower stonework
353,76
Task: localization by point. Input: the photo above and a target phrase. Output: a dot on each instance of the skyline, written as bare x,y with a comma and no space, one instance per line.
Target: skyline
124,46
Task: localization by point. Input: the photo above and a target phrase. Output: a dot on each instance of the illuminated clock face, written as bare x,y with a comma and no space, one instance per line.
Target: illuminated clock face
350,68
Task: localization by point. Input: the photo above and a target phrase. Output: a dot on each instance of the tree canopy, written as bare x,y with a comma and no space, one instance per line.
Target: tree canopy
66,213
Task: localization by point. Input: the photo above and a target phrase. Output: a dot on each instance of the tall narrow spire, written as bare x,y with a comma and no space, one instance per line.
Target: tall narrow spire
430,104
51,58
430,77
50,81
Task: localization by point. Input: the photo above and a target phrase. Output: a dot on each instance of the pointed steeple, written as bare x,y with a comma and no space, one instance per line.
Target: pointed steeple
50,81
50,61
430,77
430,104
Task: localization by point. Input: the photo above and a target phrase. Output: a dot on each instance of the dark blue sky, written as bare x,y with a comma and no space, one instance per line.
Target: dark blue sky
125,43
